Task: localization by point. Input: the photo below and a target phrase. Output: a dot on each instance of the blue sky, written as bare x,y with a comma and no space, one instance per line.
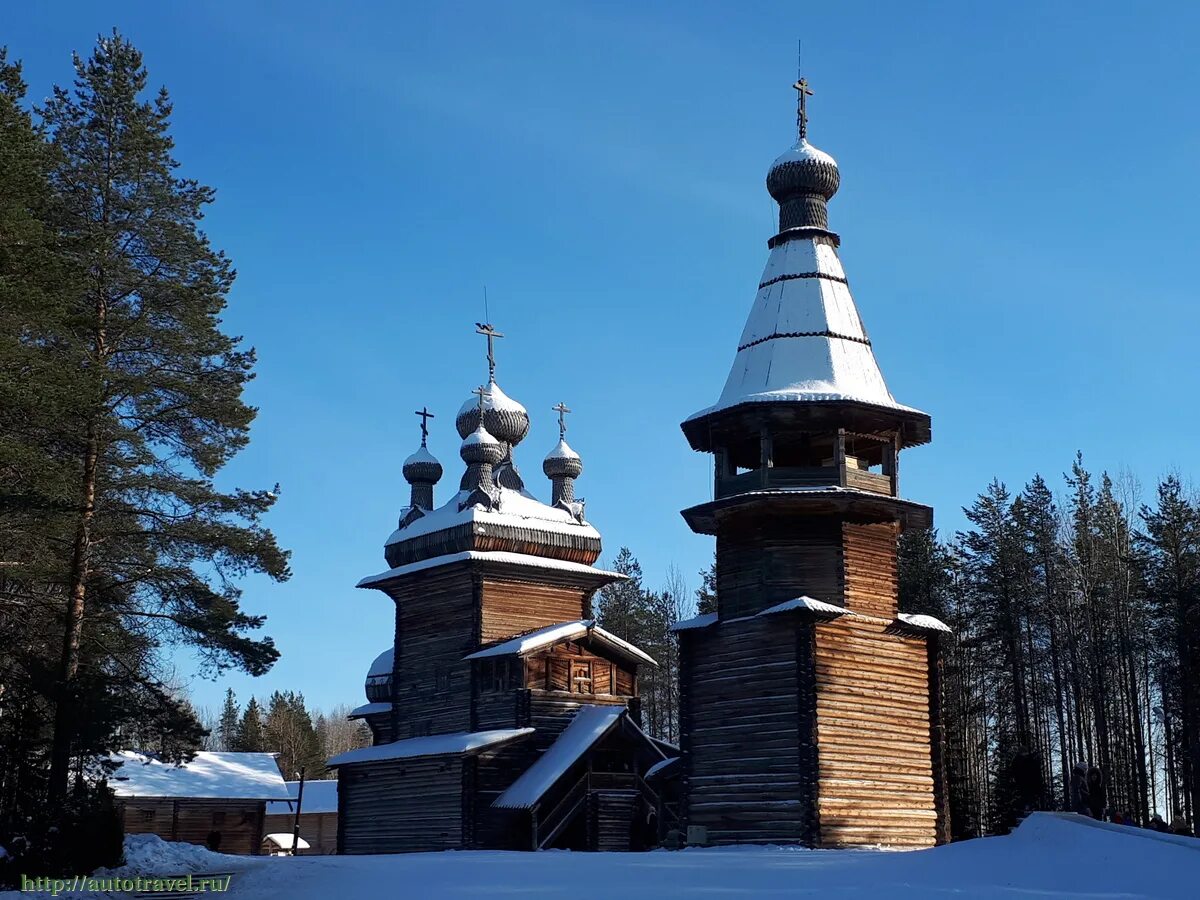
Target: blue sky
1017,213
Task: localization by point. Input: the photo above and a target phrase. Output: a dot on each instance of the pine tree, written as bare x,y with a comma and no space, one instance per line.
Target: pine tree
251,736
289,732
227,724
153,541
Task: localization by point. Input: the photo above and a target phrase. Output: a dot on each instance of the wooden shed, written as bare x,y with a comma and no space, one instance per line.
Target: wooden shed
318,816
217,800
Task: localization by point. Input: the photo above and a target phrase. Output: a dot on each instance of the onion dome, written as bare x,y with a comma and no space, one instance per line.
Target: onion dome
422,467
480,447
562,461
505,418
379,678
803,170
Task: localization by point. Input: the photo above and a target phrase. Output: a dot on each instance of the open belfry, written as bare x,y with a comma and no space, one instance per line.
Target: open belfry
809,707
502,715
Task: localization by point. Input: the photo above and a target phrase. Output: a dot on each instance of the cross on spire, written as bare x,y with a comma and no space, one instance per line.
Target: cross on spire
486,328
425,415
562,411
803,92
482,392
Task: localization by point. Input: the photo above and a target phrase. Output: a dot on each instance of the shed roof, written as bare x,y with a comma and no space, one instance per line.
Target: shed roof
589,725
433,745
319,797
565,631
209,775
283,841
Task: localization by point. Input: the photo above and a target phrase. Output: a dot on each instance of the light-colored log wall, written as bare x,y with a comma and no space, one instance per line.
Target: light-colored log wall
875,767
515,607
869,560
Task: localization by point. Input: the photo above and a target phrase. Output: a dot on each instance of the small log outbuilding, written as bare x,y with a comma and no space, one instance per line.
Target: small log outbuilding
809,705
503,715
217,800
318,817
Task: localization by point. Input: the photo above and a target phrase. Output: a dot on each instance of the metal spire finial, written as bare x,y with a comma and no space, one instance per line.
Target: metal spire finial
425,415
562,411
487,329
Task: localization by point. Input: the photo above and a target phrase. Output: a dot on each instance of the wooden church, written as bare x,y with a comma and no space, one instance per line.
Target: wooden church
809,704
503,716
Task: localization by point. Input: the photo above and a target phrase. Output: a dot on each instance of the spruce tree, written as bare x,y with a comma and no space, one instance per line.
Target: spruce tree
154,545
706,594
290,733
621,604
251,736
227,724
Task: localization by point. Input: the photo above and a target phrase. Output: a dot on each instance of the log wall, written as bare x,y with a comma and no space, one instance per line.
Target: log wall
515,607
401,806
876,782
319,829
435,625
238,822
869,563
767,560
745,777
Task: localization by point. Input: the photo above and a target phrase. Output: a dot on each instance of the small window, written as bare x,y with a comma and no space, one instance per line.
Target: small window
581,677
147,815
442,678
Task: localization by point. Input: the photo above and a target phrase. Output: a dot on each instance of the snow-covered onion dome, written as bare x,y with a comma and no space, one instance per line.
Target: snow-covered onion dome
802,181
379,678
562,466
505,418
422,466
480,447
422,471
562,460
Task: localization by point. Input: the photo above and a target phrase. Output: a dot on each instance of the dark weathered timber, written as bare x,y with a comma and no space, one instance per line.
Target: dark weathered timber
396,806
239,823
937,742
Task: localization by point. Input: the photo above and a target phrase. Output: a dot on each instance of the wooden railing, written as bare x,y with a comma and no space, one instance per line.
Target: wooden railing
547,828
782,477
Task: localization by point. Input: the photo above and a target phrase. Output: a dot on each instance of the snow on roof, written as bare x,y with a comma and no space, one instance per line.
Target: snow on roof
283,840
926,623
516,508
220,776
562,450
808,603
421,455
589,725
803,150
702,621
660,765
433,745
495,556
804,339
479,436
493,398
319,797
368,709
566,631
383,663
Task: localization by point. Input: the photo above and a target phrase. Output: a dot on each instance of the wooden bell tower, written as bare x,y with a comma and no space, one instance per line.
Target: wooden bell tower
809,705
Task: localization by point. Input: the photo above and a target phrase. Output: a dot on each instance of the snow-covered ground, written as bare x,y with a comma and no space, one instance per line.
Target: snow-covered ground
1049,856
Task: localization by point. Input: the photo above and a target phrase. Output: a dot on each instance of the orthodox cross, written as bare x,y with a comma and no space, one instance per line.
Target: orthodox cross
425,415
562,410
482,392
487,329
803,93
